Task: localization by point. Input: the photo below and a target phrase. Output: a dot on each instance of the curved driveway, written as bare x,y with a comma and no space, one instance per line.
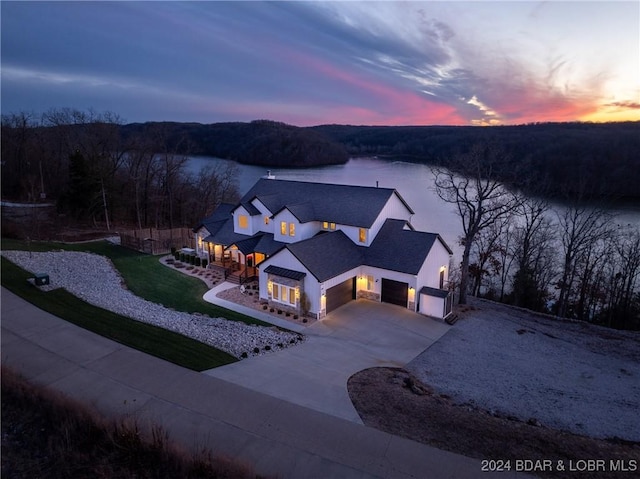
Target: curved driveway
359,335
201,411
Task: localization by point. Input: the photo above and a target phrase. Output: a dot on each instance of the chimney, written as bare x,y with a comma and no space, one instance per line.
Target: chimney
376,183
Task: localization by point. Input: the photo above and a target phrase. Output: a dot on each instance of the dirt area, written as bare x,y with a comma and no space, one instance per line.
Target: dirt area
504,384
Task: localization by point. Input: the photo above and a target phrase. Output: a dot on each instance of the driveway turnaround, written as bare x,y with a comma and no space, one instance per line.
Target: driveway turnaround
200,411
359,335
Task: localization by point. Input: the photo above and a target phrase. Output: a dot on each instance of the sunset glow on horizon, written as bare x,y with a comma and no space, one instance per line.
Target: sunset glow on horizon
311,63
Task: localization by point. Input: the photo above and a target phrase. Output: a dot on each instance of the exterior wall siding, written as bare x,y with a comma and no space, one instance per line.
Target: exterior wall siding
309,283
378,274
393,209
258,221
431,306
241,211
429,274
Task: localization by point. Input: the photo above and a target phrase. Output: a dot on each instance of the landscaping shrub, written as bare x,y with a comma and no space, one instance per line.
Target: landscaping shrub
244,355
267,348
264,306
256,350
279,311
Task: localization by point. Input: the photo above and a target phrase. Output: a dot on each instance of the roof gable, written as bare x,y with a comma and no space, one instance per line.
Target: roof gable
327,254
398,249
342,204
213,222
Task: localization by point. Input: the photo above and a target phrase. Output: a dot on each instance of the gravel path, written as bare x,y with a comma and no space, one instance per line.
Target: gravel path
94,279
566,375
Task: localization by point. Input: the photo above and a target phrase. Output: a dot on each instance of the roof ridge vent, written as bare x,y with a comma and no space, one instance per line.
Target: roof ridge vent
270,176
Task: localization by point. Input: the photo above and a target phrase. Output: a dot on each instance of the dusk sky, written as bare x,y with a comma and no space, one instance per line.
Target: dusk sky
311,63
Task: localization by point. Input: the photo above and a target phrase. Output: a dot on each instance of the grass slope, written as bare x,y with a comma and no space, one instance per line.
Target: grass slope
145,277
158,342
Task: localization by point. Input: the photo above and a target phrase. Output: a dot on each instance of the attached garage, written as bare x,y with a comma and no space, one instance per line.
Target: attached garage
341,294
395,292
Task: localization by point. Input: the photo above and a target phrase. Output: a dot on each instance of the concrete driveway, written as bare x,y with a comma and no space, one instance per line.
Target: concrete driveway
359,335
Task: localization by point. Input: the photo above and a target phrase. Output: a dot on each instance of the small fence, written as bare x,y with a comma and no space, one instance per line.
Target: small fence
155,241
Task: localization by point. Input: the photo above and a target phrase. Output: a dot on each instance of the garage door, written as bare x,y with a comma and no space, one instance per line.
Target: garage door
341,294
395,292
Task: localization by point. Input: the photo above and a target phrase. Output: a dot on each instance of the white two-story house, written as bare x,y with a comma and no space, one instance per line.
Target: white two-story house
316,246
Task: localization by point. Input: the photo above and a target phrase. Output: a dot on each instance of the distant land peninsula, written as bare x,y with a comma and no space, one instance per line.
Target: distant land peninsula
555,159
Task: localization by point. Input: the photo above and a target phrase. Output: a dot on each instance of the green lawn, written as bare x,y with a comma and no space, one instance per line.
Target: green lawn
150,339
146,277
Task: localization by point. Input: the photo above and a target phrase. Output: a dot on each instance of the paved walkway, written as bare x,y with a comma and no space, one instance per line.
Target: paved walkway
273,435
359,335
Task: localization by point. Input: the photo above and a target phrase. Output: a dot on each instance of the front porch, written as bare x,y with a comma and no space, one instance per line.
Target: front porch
234,271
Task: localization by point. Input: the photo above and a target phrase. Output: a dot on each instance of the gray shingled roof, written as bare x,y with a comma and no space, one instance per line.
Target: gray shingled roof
224,234
285,273
327,254
397,249
261,243
438,293
218,217
342,204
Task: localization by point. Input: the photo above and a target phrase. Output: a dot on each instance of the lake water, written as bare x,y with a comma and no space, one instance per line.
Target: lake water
413,181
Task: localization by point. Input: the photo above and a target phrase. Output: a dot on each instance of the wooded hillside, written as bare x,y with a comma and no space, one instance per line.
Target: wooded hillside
559,159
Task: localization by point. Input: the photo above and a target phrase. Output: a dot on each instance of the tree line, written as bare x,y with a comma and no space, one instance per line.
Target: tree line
558,157
572,260
97,173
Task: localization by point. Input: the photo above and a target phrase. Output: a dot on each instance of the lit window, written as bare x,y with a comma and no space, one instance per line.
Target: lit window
325,225
292,229
362,236
283,228
243,221
284,294
266,220
333,226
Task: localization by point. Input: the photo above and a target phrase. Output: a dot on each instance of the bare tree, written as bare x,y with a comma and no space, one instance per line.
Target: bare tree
533,252
481,199
580,227
486,253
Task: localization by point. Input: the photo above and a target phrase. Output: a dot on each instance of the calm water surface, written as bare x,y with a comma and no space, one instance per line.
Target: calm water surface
413,181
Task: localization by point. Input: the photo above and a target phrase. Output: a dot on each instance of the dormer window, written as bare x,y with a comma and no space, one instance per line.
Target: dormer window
243,221
266,220
328,226
292,229
283,228
362,235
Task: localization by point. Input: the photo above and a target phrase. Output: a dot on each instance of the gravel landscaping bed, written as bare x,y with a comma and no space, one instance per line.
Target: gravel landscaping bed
94,279
564,375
